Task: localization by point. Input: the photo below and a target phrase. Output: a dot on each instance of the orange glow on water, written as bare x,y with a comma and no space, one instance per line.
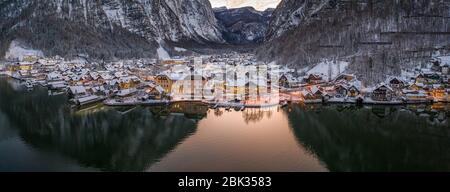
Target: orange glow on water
245,141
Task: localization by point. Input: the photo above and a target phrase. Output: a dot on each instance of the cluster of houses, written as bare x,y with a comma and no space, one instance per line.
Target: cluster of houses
229,78
423,85
86,82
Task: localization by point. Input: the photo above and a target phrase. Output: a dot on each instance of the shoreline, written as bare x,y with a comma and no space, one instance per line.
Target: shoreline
108,101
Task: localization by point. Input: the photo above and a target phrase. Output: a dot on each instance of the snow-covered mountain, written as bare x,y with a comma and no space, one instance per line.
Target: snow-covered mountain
260,5
377,37
107,27
291,13
243,25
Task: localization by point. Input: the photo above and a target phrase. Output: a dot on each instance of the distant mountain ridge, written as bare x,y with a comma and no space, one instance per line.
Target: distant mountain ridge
107,28
243,25
260,5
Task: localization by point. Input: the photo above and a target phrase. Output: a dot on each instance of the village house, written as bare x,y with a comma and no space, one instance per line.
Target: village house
415,86
344,78
420,79
286,81
313,93
353,91
77,91
155,91
396,83
383,92
126,92
166,81
445,69
438,92
340,91
415,96
314,79
128,82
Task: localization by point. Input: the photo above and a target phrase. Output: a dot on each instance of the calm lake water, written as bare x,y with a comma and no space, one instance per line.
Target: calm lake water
41,133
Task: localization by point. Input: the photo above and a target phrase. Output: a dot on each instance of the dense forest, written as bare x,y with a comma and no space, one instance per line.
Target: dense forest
377,37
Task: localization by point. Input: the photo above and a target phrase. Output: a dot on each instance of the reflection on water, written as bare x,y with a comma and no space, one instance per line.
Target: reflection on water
374,139
40,133
237,141
105,140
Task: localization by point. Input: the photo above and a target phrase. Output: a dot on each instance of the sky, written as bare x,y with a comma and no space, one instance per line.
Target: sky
257,4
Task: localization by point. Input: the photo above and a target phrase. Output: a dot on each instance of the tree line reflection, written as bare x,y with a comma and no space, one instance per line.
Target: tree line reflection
348,138
105,140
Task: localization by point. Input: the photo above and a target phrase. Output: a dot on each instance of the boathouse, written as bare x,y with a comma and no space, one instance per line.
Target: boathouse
353,91
341,90
383,92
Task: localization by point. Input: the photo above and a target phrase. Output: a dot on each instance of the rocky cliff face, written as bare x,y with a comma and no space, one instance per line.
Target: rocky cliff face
378,37
290,14
243,25
108,27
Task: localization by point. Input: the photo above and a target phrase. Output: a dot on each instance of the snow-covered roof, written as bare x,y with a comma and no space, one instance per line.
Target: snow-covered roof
396,78
435,86
383,85
290,78
106,76
77,89
315,89
125,92
159,89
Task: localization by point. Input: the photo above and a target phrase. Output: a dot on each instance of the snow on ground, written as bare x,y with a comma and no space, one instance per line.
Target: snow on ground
179,49
162,53
18,52
445,60
115,15
407,74
323,69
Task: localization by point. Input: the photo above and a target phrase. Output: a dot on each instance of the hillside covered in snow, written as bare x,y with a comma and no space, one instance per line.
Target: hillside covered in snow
108,28
377,38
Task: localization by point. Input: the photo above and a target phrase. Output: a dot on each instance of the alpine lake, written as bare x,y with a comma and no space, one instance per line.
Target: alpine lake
39,132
